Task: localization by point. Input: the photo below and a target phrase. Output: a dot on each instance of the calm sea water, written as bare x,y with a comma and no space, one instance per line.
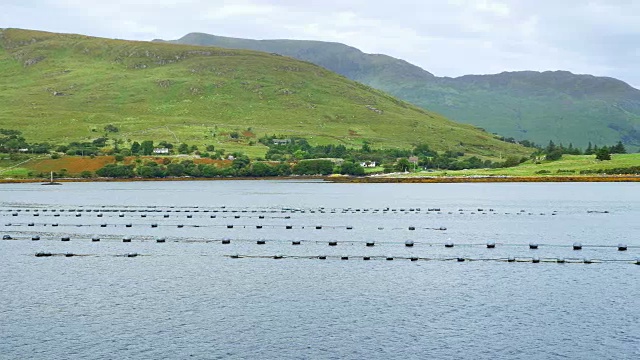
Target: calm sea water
187,298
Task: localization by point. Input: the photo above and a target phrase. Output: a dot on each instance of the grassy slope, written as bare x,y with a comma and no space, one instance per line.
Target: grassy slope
574,163
198,95
529,105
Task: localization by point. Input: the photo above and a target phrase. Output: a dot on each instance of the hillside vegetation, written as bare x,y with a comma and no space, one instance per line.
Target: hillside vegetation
536,106
60,88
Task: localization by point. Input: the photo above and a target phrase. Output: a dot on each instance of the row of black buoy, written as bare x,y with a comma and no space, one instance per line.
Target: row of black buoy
49,254
511,259
230,226
408,243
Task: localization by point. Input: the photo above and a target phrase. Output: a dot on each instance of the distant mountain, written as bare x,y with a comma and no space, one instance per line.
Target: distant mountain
63,87
538,106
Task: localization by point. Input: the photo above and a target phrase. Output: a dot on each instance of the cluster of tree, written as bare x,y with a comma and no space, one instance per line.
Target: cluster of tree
554,152
12,141
241,166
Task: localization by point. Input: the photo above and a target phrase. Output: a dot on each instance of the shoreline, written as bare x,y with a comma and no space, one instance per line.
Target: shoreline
362,180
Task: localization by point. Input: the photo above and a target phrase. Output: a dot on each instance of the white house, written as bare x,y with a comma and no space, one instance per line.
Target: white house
161,151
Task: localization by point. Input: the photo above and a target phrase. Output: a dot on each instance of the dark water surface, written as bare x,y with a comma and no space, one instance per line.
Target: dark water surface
187,298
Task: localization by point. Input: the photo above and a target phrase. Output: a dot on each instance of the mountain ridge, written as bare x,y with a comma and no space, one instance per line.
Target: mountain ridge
532,105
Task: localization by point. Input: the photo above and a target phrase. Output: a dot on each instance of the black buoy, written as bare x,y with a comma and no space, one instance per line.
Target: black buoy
31,224
577,246
389,258
370,243
99,215
261,242
69,254
35,238
229,226
121,215
366,258
154,225
295,242
103,225
408,243
95,239
322,257
131,255
344,258
460,259
511,259
189,216
258,226
226,241
448,245
349,227
65,238
180,226
128,225
560,260
126,239
166,216
318,227
622,247
535,260
333,243
533,246
43,254
587,261
161,240
412,227
491,245
414,259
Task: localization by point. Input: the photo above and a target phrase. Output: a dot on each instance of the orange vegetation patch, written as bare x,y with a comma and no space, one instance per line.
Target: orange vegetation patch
73,164
248,134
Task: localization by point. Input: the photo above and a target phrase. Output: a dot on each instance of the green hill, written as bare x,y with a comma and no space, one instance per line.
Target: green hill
537,106
61,88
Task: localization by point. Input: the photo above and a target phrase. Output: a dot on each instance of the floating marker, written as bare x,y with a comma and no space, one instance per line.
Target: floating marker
121,215
95,239
323,257
161,240
103,225
318,227
226,241
78,214
126,239
99,215
229,226
180,226
154,225
69,254
344,258
408,243
460,259
366,258
448,245
166,216
333,243
535,260
370,243
511,259
560,260
533,246
31,224
414,259
261,242
491,245
131,255
622,247
258,226
189,216
43,254
128,225
65,238
577,246
295,242
412,227
35,238
389,258
587,261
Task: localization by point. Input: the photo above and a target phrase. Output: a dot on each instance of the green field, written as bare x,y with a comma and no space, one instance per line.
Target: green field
61,88
568,165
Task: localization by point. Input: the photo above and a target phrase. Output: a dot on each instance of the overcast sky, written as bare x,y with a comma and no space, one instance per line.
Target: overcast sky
445,37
